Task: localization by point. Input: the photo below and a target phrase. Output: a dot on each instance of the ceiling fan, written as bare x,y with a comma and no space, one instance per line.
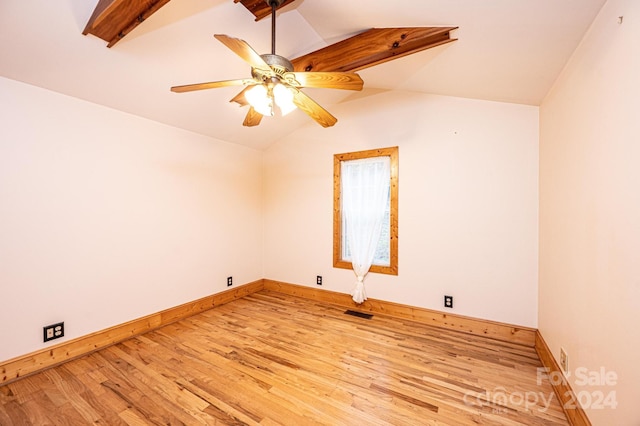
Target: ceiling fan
273,82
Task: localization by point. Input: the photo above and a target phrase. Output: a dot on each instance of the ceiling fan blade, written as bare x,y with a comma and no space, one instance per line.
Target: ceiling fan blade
315,111
252,118
213,85
246,52
324,80
240,98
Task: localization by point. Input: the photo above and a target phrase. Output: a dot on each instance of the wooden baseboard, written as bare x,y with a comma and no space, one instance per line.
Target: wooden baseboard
575,414
495,330
31,363
34,362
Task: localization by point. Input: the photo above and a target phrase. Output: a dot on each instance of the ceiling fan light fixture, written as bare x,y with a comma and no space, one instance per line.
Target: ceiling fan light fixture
284,98
259,98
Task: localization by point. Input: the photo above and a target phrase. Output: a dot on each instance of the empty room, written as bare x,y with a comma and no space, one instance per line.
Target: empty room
319,212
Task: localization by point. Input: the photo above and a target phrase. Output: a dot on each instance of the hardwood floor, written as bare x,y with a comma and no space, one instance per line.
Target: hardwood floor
274,359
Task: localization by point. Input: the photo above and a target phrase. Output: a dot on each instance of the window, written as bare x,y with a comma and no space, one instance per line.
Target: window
386,255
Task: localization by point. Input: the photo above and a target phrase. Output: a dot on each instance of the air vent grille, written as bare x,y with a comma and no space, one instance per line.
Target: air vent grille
358,314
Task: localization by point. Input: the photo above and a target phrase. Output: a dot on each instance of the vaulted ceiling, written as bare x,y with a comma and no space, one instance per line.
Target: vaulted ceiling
509,51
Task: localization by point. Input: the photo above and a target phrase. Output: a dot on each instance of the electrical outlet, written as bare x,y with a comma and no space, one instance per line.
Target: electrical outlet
53,331
229,281
448,301
564,361
319,279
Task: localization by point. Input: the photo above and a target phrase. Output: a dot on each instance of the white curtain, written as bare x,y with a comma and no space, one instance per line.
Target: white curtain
365,194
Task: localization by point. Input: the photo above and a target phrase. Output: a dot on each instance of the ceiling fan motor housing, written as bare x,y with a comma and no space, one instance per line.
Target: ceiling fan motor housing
278,64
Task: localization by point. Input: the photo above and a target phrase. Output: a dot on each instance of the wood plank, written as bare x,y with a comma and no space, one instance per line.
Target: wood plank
495,330
261,8
27,364
271,358
113,19
574,412
373,47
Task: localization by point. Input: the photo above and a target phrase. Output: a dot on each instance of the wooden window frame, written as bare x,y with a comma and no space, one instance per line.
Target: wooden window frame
392,153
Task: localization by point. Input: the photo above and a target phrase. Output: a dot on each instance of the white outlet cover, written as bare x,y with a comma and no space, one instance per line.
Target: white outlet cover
564,360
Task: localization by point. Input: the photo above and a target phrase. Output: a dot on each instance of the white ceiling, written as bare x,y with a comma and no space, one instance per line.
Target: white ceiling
507,50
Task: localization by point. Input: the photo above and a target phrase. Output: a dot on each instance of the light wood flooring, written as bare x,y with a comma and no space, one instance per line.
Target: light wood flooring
274,359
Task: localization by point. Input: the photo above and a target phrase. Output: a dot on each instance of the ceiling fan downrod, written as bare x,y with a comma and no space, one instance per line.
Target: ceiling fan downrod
274,4
278,64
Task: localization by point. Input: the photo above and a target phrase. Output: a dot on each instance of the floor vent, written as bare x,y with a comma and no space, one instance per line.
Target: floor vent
359,314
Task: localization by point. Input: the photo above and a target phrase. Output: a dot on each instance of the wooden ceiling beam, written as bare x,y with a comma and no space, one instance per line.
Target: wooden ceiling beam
260,8
113,19
373,47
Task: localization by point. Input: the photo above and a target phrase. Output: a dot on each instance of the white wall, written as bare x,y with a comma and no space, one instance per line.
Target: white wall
468,203
590,212
106,217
